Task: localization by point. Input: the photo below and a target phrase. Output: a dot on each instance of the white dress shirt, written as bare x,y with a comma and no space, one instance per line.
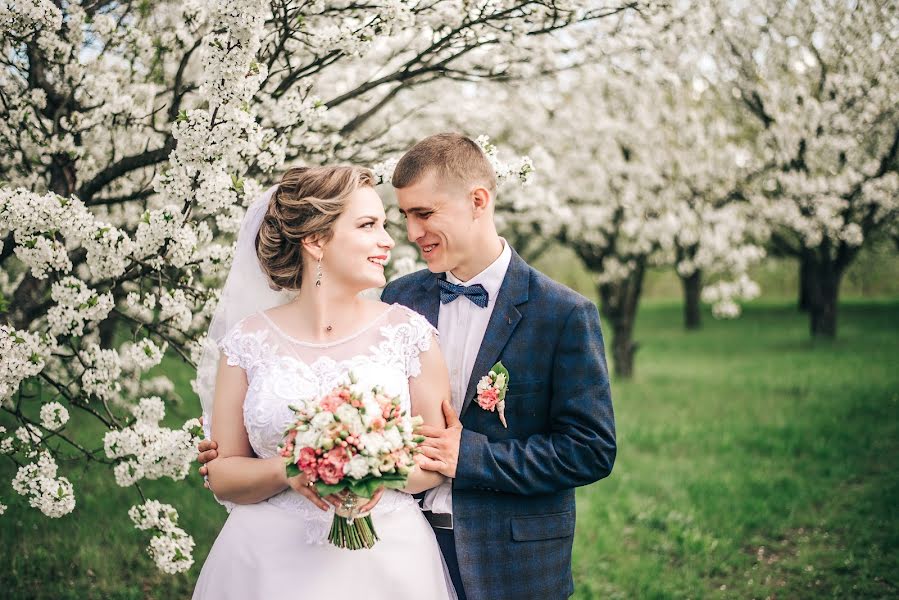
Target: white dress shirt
462,325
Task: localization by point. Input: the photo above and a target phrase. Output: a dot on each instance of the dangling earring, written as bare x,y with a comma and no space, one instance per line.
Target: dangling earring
318,275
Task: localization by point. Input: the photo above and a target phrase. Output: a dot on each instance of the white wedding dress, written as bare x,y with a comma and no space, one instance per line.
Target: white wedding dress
278,548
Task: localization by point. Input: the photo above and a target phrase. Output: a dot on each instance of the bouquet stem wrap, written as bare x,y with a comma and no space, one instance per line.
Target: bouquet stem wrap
351,530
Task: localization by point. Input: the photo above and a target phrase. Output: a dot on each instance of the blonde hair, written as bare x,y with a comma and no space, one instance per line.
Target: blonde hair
454,158
306,205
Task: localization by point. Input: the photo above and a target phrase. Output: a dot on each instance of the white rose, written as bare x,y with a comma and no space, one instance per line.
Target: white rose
374,443
345,412
357,467
322,420
393,439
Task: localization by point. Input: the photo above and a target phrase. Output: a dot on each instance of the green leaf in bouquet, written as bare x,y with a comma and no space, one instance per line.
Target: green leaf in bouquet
292,470
325,489
365,488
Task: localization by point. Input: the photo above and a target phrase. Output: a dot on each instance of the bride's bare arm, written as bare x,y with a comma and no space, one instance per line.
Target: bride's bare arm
428,391
237,475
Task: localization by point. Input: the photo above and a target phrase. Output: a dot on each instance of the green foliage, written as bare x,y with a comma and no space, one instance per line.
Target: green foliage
753,462
364,488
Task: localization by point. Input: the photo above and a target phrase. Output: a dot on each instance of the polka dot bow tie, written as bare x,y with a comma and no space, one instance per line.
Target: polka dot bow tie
450,291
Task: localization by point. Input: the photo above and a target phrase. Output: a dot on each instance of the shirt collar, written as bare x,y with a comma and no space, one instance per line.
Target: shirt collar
491,277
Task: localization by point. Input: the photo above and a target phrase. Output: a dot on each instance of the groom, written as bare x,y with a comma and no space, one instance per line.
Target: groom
505,519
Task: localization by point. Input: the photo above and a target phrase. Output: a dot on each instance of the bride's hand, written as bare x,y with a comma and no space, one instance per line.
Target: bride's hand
366,508
306,488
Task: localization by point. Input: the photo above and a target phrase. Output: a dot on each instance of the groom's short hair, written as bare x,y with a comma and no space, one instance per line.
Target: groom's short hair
452,157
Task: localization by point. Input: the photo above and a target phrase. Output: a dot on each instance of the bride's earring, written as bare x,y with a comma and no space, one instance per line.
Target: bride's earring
318,274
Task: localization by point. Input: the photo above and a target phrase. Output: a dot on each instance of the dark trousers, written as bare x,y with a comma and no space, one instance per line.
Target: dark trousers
447,542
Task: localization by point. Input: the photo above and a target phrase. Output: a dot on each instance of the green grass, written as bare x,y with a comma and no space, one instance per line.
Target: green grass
752,463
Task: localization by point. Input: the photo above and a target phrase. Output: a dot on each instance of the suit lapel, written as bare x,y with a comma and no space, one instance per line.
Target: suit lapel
428,302
503,320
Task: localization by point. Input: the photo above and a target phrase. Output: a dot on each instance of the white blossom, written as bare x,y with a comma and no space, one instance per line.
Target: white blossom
54,415
46,492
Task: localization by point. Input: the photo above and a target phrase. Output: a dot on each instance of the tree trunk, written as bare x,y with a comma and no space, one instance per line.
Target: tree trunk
619,307
806,280
692,285
823,295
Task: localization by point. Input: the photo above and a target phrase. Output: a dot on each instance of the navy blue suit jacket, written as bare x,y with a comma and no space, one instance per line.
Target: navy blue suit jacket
513,495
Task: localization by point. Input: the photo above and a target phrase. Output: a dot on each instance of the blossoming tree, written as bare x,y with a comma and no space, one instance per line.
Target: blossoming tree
820,77
642,164
133,136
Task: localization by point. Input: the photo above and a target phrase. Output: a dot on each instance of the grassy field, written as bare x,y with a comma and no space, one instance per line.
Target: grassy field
752,463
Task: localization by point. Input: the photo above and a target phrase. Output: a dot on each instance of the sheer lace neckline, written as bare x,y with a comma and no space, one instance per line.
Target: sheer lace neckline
342,340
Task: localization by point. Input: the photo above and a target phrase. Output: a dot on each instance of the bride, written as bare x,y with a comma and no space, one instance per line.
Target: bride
289,327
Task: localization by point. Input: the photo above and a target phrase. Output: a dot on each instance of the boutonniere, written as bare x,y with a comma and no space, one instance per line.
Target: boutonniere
492,389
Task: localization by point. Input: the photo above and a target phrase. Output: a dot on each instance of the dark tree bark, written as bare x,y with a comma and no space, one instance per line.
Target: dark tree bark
692,287
619,307
823,296
806,281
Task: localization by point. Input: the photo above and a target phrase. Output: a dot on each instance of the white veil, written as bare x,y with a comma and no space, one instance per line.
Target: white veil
246,292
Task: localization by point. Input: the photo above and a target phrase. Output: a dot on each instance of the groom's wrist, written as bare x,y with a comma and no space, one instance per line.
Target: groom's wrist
472,446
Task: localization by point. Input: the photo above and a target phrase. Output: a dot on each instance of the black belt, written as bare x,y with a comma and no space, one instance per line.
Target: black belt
439,520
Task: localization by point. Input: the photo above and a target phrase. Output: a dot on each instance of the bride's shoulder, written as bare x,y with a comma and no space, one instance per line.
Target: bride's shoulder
400,314
249,325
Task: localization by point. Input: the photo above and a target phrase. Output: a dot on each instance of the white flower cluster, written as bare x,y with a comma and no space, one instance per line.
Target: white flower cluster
151,451
24,355
209,153
46,492
76,306
171,548
139,307
141,356
54,415
102,369
176,309
520,170
722,295
45,224
108,251
155,229
24,17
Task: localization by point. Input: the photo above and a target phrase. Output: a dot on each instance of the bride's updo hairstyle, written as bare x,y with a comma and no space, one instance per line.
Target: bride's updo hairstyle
306,205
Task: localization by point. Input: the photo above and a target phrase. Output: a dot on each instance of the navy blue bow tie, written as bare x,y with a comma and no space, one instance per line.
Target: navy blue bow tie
450,291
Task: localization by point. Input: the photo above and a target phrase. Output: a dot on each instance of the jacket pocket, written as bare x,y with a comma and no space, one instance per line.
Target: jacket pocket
522,388
543,527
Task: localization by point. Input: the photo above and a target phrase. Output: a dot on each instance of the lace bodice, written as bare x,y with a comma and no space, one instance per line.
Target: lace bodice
283,371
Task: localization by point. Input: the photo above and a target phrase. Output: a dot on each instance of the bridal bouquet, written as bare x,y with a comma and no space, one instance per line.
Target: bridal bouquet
351,442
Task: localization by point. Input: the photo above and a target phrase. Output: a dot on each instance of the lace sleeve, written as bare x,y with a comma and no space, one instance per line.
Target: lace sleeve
420,335
230,347
246,346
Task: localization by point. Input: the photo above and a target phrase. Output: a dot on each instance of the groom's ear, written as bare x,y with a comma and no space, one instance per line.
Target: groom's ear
481,199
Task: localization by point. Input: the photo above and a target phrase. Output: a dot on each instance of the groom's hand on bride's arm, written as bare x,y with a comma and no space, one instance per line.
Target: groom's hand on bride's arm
207,450
440,449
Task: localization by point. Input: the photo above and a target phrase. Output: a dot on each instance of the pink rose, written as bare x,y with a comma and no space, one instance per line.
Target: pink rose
330,469
330,473
378,423
330,402
488,398
307,461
